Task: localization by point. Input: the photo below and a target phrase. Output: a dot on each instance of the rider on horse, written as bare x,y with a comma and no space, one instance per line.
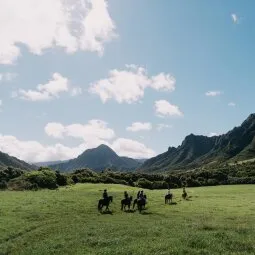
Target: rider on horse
142,196
125,195
184,193
105,195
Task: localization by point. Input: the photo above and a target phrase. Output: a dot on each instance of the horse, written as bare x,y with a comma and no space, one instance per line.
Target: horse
168,198
126,202
140,203
184,195
104,202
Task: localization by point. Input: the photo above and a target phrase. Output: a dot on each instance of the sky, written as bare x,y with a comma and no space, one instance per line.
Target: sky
137,76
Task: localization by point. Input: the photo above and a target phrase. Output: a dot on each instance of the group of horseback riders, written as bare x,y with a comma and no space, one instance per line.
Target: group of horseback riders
140,195
140,200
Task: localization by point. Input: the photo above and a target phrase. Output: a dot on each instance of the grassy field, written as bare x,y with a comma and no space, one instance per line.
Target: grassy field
216,220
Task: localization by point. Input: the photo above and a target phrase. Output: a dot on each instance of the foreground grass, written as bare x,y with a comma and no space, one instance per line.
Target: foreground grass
216,220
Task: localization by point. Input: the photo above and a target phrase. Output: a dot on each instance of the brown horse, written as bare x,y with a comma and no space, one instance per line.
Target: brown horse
140,203
168,198
104,202
126,202
184,194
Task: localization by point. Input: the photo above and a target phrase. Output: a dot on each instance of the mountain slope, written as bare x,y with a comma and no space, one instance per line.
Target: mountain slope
98,159
237,144
48,163
9,161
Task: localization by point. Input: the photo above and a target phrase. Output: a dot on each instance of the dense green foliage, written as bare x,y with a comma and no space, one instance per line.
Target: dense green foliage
226,174
16,179
210,176
215,220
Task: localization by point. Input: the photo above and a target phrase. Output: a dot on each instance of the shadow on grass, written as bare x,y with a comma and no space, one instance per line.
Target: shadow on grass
107,212
172,203
129,211
145,213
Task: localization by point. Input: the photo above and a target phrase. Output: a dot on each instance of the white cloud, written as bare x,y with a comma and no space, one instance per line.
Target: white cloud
48,91
92,134
128,85
213,93
40,25
164,108
131,148
33,151
138,126
1,103
232,104
213,134
163,126
94,131
7,77
235,18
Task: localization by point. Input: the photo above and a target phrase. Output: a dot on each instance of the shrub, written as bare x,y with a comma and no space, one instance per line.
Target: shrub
19,184
44,178
212,182
9,173
75,179
131,183
160,185
192,182
144,183
201,180
3,185
61,179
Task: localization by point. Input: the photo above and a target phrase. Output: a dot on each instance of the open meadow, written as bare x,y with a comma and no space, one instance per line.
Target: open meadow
215,220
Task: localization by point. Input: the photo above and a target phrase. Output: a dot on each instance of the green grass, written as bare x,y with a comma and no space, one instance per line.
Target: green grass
216,220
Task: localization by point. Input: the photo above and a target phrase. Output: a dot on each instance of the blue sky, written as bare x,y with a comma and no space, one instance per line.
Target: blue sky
136,75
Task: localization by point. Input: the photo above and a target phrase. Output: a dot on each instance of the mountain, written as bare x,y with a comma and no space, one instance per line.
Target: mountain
98,159
48,163
196,150
9,161
140,160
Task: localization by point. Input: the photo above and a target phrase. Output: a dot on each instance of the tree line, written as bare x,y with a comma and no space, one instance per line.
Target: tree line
222,174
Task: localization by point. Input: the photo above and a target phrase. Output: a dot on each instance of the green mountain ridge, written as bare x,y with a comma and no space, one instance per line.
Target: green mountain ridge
196,150
9,161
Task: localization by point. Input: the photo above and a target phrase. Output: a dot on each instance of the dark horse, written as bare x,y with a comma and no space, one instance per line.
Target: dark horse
140,203
168,198
126,202
104,202
184,195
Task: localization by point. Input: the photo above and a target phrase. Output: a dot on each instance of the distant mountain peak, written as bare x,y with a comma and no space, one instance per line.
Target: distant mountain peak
103,146
98,159
250,118
252,115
